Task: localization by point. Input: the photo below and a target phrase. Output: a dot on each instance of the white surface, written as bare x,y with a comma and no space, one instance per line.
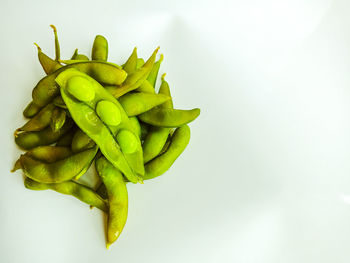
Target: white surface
266,177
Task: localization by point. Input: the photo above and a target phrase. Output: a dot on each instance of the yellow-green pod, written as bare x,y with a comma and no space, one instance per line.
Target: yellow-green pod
29,140
139,102
162,163
79,191
97,118
100,48
134,80
59,171
130,64
48,64
117,198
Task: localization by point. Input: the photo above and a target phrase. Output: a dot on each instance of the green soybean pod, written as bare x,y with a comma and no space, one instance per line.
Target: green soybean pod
157,136
97,118
165,90
59,171
100,48
152,77
77,56
58,102
31,110
146,87
135,79
169,117
58,119
139,102
46,89
162,163
29,140
130,64
79,191
49,153
66,139
139,63
48,64
41,120
81,141
135,125
117,198
45,153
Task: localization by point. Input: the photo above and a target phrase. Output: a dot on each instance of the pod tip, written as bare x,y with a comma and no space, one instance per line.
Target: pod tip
54,28
163,77
39,48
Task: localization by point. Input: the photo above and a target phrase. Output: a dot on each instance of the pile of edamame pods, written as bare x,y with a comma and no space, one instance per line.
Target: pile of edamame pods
93,111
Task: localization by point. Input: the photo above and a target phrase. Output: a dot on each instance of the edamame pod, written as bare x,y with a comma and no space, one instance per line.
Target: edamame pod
79,191
40,120
31,110
66,139
152,77
46,89
157,136
117,198
134,80
59,171
58,101
58,119
49,153
130,64
135,126
162,163
100,48
169,117
97,121
48,64
81,141
139,102
77,56
29,140
139,63
146,87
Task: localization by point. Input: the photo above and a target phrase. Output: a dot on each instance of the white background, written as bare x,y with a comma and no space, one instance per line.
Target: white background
266,177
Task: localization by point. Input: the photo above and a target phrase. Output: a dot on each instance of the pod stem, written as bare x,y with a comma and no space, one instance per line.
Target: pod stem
57,44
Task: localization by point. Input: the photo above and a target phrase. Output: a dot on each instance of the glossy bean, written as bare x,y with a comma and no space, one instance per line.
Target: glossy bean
117,198
59,171
79,191
162,163
100,48
139,102
29,140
